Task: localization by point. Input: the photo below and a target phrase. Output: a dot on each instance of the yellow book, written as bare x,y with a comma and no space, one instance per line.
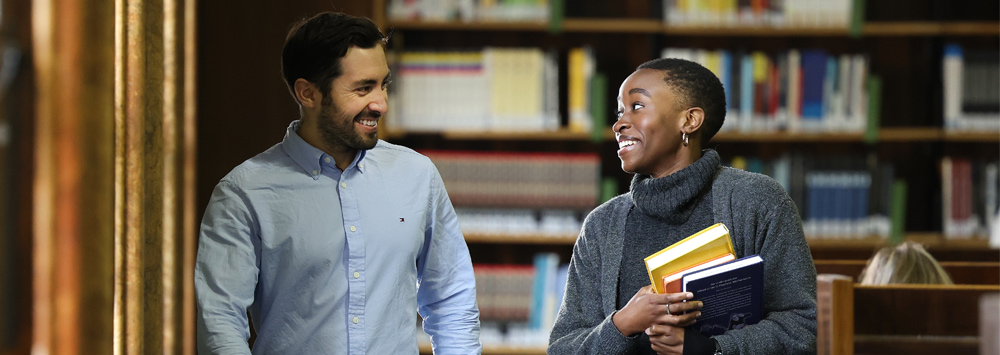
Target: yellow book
707,244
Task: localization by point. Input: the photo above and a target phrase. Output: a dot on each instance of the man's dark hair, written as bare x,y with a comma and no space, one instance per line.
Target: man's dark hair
314,47
695,86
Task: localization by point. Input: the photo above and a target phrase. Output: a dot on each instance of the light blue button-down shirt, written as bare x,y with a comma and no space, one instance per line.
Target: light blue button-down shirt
331,262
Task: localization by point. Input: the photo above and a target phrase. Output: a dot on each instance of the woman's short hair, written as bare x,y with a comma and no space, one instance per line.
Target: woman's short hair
906,263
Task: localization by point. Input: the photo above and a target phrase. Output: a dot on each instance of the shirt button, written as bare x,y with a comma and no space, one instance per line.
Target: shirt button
357,274
315,172
343,184
361,166
354,229
356,320
327,159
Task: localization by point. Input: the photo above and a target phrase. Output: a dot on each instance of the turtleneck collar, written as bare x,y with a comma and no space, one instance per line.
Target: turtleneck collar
672,198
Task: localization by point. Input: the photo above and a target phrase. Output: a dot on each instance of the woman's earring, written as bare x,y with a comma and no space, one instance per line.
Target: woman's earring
684,137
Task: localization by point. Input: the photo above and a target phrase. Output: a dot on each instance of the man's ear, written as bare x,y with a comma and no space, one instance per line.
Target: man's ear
692,120
308,94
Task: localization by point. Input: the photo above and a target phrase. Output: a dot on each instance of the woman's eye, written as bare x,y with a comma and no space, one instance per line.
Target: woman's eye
619,113
636,106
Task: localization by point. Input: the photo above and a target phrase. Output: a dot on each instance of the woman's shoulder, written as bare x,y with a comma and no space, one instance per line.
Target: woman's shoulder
748,186
610,209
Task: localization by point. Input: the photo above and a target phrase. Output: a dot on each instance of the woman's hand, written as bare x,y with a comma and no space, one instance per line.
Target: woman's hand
647,308
666,339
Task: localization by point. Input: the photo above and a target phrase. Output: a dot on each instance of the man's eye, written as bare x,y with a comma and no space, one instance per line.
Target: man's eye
385,84
365,89
636,106
619,113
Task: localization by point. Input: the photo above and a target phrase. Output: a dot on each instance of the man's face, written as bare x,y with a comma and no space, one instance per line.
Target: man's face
350,114
648,126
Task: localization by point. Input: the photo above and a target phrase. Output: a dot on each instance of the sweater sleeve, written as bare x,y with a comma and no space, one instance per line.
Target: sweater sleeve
764,221
582,327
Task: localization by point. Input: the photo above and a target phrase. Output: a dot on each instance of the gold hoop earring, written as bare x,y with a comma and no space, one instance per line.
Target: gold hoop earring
684,137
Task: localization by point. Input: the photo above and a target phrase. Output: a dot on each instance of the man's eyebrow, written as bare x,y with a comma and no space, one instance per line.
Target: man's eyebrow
366,82
640,91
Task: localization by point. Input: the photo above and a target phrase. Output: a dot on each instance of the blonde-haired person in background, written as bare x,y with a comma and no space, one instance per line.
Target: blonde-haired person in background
906,263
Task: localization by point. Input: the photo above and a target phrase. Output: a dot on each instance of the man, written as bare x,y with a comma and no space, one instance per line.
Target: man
332,239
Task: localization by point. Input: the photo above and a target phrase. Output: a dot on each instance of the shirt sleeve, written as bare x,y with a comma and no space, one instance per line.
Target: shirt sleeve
581,326
225,273
446,295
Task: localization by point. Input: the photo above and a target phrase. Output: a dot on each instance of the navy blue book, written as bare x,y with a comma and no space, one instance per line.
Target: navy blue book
732,294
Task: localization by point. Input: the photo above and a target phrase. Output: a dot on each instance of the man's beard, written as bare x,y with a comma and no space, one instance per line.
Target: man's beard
336,132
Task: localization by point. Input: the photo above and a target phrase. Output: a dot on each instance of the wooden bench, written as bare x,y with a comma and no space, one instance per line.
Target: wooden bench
961,272
898,319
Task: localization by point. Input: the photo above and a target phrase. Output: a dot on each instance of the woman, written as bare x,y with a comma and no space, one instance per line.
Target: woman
906,263
667,110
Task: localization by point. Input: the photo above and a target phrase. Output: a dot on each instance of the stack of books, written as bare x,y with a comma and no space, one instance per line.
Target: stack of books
495,89
971,89
519,180
969,201
726,13
797,90
731,290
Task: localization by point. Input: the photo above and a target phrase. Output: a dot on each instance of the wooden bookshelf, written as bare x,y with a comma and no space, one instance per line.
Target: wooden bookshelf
425,348
985,137
928,239
655,26
903,134
566,239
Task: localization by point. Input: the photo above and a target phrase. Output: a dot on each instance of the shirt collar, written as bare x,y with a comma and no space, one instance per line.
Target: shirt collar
309,158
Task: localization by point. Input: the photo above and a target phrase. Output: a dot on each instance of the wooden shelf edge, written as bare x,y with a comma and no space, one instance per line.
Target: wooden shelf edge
928,239
904,134
655,26
986,137
425,348
564,239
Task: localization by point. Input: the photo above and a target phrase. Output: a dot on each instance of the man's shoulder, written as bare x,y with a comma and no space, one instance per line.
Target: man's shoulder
265,164
388,154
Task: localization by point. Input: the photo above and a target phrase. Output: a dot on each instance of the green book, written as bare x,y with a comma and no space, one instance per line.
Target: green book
874,86
898,212
556,14
598,106
857,18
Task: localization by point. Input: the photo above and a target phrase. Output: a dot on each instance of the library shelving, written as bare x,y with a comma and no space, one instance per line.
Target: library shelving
903,44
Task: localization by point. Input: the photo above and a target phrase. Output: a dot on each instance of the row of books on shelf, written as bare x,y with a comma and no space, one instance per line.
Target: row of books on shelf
536,223
837,197
491,89
969,197
524,180
517,89
971,80
518,303
469,10
795,90
764,13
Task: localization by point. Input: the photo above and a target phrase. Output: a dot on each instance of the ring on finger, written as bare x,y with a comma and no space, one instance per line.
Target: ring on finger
668,309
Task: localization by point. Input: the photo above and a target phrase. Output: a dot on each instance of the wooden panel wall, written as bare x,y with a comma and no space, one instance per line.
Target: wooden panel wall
243,104
114,178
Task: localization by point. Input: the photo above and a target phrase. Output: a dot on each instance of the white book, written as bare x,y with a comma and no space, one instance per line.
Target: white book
952,79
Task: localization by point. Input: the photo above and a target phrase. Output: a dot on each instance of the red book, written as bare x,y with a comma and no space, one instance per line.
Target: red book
672,282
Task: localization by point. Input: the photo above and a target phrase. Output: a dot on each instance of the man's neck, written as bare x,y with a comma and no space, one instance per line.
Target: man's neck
342,155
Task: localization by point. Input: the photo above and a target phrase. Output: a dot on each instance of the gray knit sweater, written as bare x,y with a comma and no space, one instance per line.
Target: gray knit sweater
761,219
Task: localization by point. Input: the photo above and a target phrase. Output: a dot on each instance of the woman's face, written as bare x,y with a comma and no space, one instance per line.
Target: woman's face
648,129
